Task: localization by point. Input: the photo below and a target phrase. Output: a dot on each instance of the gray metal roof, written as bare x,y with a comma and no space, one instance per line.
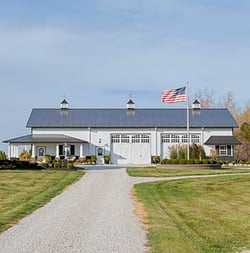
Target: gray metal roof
44,138
110,118
222,140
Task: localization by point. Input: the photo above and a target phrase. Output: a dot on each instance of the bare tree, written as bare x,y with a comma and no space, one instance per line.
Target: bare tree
229,103
205,97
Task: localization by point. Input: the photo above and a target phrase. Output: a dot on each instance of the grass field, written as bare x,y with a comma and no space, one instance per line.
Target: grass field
206,215
23,191
161,172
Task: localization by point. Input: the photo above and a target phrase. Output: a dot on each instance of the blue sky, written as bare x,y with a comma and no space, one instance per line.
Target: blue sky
97,52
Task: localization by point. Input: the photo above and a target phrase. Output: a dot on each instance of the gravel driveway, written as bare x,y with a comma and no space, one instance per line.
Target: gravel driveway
94,215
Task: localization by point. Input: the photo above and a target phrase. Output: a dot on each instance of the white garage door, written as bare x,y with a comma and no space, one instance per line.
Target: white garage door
130,149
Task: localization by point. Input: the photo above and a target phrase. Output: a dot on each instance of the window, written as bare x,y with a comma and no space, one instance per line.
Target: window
184,138
229,150
136,138
165,138
72,149
69,149
61,150
223,150
195,138
115,138
145,138
124,138
127,138
175,138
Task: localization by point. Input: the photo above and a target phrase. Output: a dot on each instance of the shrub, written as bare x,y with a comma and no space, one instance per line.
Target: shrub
197,161
220,162
183,161
180,152
13,164
57,164
93,159
163,161
44,165
48,158
25,155
70,165
169,161
3,155
18,164
191,161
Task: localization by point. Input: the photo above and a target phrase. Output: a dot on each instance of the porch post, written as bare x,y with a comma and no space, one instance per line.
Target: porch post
9,151
16,151
33,153
12,151
57,151
81,150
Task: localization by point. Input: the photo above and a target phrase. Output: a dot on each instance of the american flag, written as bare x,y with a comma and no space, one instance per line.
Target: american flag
174,95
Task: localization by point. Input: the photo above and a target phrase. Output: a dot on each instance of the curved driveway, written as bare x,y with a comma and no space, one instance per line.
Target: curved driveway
94,215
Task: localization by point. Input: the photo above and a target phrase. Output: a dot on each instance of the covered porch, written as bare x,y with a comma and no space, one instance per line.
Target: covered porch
56,145
223,145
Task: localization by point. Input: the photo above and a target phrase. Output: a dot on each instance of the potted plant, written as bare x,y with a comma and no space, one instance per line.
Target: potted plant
156,159
106,159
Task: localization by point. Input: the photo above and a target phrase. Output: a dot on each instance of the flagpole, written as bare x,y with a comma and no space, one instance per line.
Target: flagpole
188,136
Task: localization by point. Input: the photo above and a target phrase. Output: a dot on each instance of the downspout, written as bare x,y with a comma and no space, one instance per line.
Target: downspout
156,143
202,136
89,128
9,150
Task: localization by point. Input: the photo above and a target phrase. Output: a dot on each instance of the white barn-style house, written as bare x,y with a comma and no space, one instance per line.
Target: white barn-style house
129,135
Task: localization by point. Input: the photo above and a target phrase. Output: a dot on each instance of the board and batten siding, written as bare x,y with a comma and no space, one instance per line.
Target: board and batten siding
130,152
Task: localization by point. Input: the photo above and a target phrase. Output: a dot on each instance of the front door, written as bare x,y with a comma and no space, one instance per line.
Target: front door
100,155
40,153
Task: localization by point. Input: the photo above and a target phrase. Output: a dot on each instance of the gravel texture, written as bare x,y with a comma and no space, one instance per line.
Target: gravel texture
94,215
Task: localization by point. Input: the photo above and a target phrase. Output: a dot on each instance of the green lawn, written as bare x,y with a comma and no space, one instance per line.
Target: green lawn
23,191
206,215
161,172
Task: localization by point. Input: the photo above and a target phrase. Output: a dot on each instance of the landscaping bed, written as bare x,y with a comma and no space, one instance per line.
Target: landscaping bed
189,166
179,171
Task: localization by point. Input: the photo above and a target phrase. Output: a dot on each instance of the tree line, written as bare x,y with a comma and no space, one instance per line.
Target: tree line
207,99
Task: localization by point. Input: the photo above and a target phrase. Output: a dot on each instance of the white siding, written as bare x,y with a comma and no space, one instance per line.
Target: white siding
139,153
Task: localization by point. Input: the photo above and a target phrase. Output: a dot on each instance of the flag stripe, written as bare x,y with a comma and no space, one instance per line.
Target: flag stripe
174,95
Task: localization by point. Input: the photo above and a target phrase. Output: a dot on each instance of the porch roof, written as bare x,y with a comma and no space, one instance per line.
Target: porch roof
44,138
222,140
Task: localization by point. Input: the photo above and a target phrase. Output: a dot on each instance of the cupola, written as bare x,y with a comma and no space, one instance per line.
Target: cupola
196,107
130,105
64,104
64,108
130,108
